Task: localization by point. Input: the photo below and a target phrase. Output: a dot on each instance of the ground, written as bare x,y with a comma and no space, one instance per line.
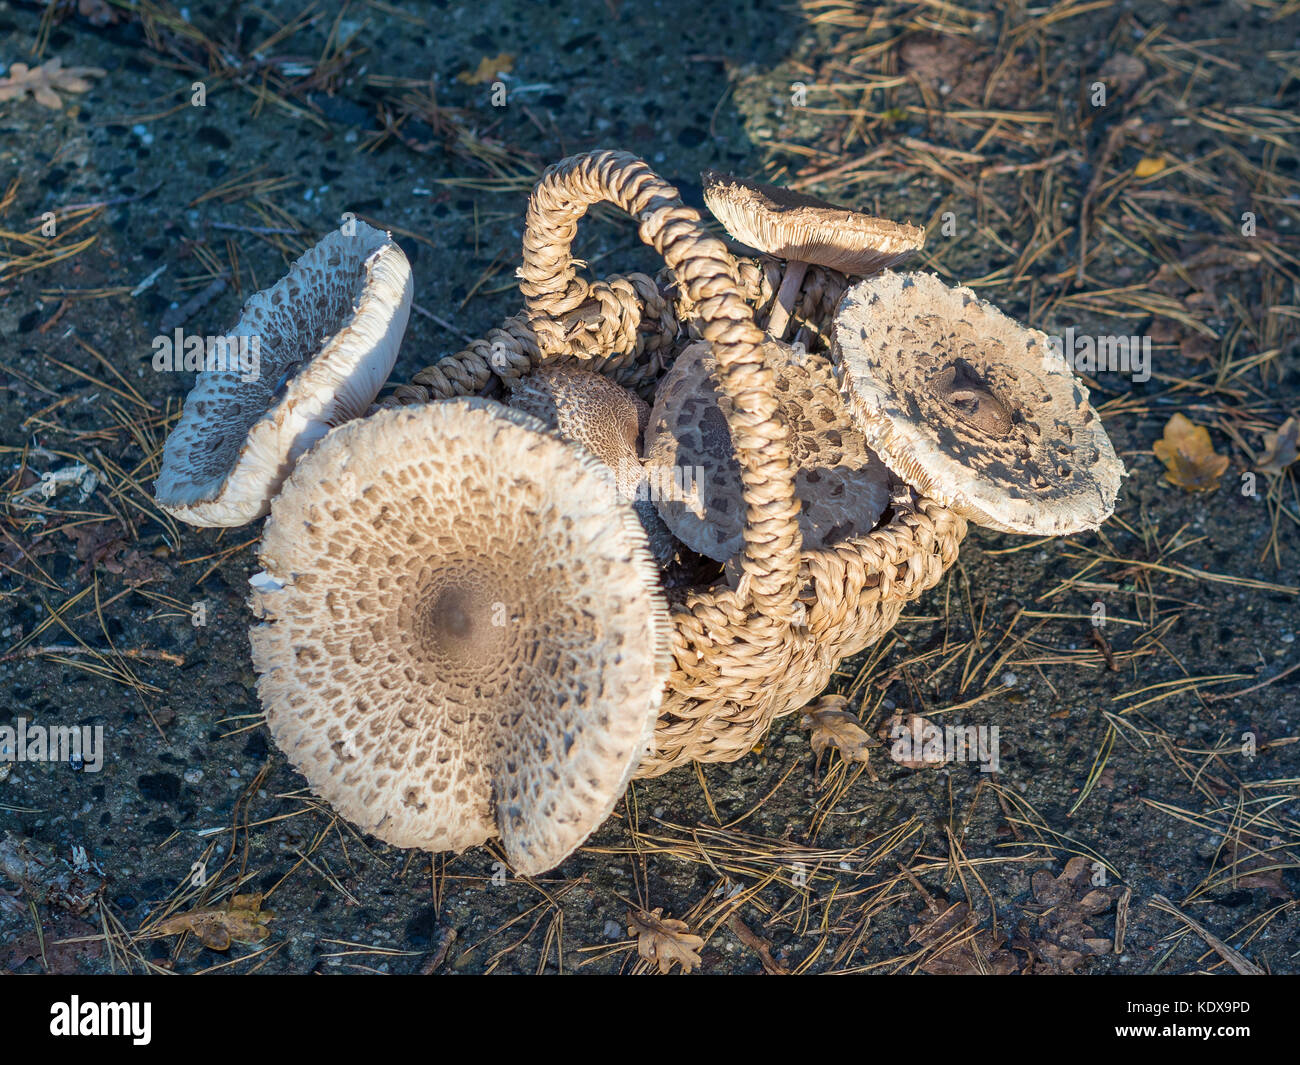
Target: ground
1146,813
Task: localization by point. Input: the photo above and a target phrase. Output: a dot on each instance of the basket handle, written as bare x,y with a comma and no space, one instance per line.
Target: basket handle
708,273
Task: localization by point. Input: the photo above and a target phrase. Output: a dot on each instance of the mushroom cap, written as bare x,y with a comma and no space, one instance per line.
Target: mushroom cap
327,335
842,486
589,409
971,408
464,632
794,226
605,418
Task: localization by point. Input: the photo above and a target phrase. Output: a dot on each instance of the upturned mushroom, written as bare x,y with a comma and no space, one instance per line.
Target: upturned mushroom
842,487
971,408
605,418
326,336
805,230
464,636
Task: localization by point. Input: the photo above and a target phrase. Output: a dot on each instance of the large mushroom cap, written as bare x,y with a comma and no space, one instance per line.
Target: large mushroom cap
605,418
464,634
326,337
971,408
794,226
842,486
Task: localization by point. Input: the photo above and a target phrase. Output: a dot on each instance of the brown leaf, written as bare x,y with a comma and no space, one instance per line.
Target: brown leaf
43,80
242,920
61,954
489,68
664,941
1189,457
833,726
1281,448
958,948
1123,72
1063,905
96,12
915,742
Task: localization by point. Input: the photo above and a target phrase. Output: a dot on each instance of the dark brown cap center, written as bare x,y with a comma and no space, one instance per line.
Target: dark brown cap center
960,388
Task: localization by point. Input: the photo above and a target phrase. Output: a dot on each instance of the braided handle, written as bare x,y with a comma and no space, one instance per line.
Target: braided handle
708,274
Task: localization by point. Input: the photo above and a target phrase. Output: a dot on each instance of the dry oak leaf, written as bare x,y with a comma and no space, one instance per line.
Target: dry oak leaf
489,67
42,82
833,726
1281,448
1189,457
664,941
241,921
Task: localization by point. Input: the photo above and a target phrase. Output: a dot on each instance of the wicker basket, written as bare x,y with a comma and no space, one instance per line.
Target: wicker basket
747,655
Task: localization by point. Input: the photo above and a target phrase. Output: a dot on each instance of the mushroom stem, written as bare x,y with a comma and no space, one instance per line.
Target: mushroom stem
786,298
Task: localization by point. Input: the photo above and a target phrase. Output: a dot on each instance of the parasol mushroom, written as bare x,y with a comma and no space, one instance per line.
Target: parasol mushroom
804,230
842,487
971,408
326,337
605,418
464,635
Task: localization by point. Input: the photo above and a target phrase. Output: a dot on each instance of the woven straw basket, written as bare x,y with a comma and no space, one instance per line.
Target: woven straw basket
747,655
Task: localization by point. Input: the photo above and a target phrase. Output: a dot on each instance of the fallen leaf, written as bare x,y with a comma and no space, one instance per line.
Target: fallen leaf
1281,448
914,742
96,12
1123,71
1148,166
833,726
1189,457
955,947
489,68
67,942
1063,905
664,941
241,921
42,82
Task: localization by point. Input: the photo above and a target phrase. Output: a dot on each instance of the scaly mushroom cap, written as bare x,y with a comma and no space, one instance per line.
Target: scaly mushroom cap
327,335
793,226
842,486
606,419
589,409
971,408
464,633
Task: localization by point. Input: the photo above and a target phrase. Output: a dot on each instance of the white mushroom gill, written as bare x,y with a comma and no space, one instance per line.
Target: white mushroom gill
326,336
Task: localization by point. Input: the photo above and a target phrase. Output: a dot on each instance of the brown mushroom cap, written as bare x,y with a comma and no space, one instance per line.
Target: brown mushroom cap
801,228
327,336
605,418
842,486
464,633
589,409
971,408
